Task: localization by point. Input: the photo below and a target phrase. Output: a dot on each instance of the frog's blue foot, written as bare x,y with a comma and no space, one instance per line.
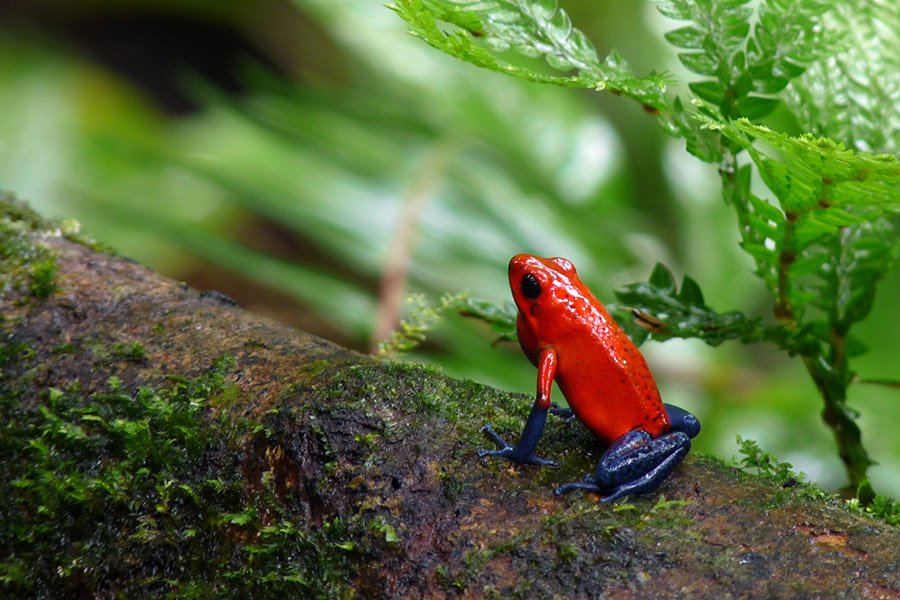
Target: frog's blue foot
516,454
636,463
523,452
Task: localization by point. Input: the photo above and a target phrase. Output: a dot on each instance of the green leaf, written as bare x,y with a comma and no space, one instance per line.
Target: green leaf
699,62
766,210
690,38
413,328
690,292
701,142
539,29
669,313
809,173
386,529
711,91
755,107
784,38
661,277
502,319
861,255
674,9
242,518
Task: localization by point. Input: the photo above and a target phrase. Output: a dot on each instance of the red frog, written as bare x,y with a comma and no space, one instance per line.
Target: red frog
570,337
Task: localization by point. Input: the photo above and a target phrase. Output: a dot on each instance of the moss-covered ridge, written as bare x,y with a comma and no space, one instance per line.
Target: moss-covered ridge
143,494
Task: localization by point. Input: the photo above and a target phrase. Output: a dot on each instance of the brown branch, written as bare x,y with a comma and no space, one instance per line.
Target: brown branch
372,473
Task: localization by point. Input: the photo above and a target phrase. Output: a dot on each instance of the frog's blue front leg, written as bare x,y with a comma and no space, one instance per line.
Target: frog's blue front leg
523,452
637,463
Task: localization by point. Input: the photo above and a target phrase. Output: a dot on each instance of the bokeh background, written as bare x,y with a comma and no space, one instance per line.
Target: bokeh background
297,154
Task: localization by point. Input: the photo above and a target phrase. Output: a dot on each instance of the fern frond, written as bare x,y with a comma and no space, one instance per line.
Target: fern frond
861,255
854,95
534,28
747,64
817,173
788,36
828,240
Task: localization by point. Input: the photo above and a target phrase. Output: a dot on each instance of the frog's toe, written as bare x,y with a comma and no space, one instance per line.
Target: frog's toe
544,462
494,437
482,452
588,485
515,455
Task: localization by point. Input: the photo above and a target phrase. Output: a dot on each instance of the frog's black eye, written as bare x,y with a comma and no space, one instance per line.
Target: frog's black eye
530,286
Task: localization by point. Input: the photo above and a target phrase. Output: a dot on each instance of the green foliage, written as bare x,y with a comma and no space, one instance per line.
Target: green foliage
142,495
822,240
767,466
133,352
412,330
24,264
827,241
781,474
534,29
876,505
749,52
670,312
854,95
502,319
821,247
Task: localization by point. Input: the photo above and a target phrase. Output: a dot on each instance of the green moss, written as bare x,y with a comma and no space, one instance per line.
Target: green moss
105,353
566,553
14,210
65,348
868,502
26,265
133,352
142,495
42,275
792,483
467,405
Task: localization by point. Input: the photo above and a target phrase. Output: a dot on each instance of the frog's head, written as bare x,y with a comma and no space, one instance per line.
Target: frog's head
540,285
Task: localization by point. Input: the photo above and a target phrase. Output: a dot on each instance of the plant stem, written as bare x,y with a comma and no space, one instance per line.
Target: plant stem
832,382
831,375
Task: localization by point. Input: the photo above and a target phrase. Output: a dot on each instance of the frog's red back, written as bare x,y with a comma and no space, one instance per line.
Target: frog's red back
602,374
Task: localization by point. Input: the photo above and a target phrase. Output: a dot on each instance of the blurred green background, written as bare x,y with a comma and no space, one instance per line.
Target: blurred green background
297,155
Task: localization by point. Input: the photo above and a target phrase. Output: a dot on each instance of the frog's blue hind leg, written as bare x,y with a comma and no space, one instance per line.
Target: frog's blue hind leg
682,420
637,463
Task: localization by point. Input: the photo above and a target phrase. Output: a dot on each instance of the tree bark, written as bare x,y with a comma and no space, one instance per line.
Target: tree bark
351,476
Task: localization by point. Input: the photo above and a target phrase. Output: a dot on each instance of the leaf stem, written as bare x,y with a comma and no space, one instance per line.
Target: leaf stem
783,310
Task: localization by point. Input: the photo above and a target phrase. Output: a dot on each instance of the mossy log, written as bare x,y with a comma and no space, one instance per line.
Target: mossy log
159,441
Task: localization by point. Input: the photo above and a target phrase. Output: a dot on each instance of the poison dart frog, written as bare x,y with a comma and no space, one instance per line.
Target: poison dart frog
570,337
